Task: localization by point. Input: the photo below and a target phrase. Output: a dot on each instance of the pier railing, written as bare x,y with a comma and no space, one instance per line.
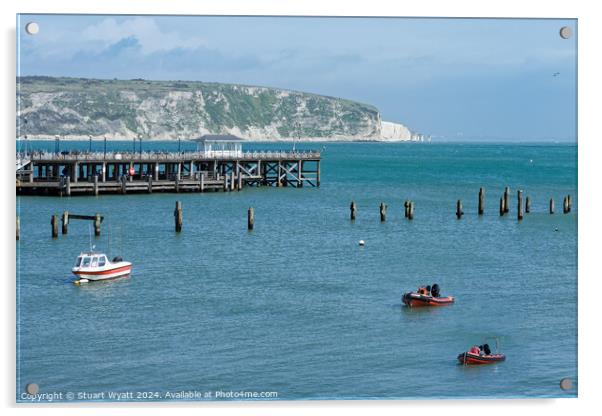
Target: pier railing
169,156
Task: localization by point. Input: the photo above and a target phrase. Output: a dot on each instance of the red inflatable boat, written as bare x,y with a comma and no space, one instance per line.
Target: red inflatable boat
468,358
415,300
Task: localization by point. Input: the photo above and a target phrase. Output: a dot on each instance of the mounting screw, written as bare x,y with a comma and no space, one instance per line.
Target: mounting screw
566,384
565,32
32,388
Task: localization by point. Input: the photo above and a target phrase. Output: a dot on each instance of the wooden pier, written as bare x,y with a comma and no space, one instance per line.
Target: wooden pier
83,173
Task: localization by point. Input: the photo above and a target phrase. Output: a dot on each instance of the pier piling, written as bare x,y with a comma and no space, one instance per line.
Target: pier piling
410,210
250,219
383,212
527,205
68,186
65,221
569,202
353,210
501,206
18,228
519,213
150,184
178,216
97,221
95,185
459,211
506,200
551,205
54,222
481,201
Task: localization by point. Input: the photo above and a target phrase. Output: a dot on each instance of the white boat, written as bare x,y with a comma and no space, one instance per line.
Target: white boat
92,266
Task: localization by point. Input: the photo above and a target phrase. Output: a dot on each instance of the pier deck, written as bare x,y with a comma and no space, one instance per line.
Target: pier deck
72,173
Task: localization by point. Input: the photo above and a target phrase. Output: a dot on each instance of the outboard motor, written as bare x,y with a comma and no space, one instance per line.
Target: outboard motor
435,290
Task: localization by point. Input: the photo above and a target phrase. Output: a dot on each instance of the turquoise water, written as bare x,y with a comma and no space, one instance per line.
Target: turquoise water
296,306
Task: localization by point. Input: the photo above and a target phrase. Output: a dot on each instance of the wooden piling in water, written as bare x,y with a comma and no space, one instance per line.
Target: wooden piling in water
527,205
232,181
406,206
565,205
18,228
569,202
123,184
411,210
97,221
239,185
502,206
250,219
178,216
150,184
95,185
459,211
551,205
68,186
383,212
65,221
54,222
506,200
519,213
481,201
352,208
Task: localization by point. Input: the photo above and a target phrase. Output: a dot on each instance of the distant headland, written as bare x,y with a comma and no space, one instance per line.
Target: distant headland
79,108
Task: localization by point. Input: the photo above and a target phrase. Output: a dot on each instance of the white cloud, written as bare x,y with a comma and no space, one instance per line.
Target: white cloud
145,29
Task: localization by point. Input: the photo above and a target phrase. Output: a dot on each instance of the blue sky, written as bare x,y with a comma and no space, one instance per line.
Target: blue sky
456,79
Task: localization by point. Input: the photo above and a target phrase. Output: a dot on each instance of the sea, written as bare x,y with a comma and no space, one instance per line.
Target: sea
296,309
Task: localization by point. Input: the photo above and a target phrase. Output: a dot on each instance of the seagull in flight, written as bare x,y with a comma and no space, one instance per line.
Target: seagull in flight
555,74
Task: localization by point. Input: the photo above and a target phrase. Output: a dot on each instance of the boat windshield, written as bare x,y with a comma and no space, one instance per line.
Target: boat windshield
86,262
101,261
94,261
78,262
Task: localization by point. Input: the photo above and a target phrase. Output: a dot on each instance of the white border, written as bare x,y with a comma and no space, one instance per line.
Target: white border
589,193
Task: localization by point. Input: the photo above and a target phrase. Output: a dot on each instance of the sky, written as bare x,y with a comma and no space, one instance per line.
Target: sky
453,79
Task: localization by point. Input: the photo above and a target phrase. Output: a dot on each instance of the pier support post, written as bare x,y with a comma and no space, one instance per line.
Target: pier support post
459,211
68,185
551,205
178,216
250,219
95,185
527,205
239,185
502,206
202,185
150,183
123,180
411,210
506,200
225,183
406,206
383,212
565,205
97,225
65,221
318,174
177,184
352,208
569,202
519,212
232,181
18,228
54,222
75,172
481,201
104,172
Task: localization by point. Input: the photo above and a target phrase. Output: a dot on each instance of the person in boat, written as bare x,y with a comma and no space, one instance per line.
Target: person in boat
475,350
435,290
424,290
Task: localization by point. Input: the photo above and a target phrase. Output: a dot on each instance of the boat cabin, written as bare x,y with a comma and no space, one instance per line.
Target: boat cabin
219,145
91,260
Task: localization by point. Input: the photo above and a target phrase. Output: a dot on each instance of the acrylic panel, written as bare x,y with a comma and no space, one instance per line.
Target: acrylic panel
218,208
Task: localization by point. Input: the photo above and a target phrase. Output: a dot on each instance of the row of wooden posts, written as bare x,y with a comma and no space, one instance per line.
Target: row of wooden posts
504,206
408,212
